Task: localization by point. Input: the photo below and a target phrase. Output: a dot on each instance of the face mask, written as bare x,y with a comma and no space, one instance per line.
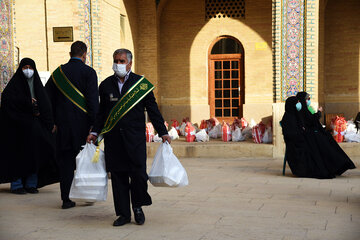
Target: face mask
298,106
308,102
120,69
28,72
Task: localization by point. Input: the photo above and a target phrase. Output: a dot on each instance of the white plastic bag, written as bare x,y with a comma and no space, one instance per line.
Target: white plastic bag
352,137
247,132
216,131
351,134
237,135
213,133
166,169
157,138
173,134
202,136
90,179
268,137
182,129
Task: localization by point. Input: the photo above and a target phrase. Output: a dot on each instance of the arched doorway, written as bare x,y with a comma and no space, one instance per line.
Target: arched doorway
226,78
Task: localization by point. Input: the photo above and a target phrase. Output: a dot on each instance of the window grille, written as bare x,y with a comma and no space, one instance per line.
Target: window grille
224,9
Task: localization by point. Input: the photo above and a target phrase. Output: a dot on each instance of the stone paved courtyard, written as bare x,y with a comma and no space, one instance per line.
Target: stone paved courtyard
226,199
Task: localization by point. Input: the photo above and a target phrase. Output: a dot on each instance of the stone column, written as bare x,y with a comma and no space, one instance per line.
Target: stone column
295,49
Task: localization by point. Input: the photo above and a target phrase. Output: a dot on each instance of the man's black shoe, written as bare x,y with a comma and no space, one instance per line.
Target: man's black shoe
18,191
139,216
31,190
68,204
121,221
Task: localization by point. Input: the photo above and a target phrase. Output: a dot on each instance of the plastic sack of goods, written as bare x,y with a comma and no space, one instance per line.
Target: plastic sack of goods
90,179
166,169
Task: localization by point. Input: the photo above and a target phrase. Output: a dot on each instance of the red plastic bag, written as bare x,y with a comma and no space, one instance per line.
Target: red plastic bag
236,123
226,132
339,127
176,125
258,132
186,119
203,124
214,122
244,123
149,132
190,132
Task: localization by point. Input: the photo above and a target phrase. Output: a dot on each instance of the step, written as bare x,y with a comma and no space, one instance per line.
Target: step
216,148
352,149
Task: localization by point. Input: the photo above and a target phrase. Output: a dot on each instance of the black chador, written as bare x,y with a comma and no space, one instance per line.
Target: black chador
321,142
303,160
27,144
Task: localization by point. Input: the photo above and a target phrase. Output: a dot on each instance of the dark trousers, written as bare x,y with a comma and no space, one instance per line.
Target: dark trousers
67,164
123,189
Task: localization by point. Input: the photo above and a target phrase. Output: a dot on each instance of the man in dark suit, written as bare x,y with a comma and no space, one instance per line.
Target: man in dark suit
72,120
125,143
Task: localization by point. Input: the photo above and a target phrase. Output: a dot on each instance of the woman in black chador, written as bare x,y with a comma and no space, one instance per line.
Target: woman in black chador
321,143
303,161
297,152
26,125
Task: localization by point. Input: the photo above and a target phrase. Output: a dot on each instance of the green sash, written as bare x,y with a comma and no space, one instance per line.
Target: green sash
68,89
134,95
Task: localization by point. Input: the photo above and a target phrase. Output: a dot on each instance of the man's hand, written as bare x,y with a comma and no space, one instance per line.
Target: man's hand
166,138
320,108
91,138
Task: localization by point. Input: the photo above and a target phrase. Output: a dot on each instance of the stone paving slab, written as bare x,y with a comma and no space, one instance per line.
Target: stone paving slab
242,198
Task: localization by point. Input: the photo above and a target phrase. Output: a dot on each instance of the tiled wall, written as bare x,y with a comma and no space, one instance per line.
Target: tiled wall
6,42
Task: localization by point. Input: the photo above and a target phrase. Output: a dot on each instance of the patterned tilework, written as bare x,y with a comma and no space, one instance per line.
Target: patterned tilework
276,47
86,27
292,47
311,45
6,42
96,37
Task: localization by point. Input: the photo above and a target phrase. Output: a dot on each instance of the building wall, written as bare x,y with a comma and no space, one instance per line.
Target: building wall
110,35
31,35
30,39
68,13
99,28
185,38
342,67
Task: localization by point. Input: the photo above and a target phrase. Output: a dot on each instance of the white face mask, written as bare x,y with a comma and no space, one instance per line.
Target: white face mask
120,69
28,72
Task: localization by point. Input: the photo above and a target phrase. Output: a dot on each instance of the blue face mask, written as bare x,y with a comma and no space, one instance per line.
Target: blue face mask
298,106
308,102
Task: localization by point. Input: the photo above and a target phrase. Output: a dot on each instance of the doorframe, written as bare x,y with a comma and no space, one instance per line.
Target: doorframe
211,80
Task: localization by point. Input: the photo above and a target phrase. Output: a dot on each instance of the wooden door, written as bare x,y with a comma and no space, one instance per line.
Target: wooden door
226,86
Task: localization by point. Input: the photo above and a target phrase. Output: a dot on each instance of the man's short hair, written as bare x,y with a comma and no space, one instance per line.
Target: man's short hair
78,48
122,51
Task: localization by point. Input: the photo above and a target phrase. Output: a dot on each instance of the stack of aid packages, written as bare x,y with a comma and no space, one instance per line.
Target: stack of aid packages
188,130
150,132
338,124
238,130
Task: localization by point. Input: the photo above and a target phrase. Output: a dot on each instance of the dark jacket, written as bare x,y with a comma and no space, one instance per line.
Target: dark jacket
26,143
73,125
125,144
